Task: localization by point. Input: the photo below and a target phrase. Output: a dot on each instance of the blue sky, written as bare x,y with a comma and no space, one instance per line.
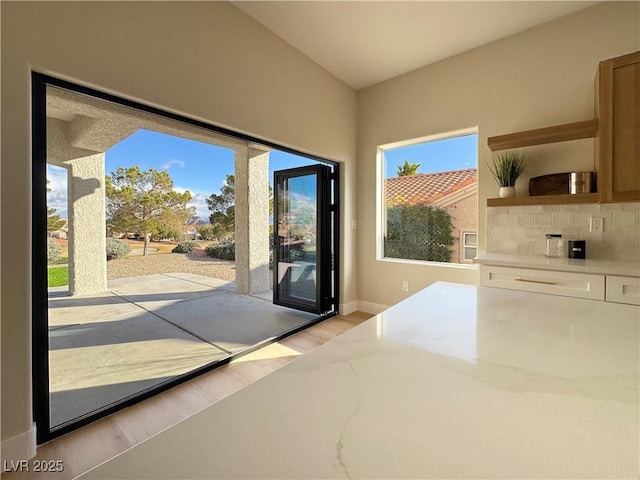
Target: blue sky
441,155
193,166
202,168
198,167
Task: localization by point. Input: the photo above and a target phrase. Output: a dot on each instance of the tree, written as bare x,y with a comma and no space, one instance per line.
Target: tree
418,232
211,232
145,202
54,222
407,168
222,207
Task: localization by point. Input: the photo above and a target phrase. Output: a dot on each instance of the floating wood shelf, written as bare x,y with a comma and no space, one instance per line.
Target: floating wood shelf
558,133
543,200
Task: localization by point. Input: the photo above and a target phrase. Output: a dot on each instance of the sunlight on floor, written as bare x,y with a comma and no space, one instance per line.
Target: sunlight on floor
275,350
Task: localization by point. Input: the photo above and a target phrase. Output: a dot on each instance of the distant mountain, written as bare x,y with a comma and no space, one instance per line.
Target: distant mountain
197,221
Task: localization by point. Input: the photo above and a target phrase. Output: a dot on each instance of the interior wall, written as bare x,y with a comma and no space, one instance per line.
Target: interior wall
540,77
205,60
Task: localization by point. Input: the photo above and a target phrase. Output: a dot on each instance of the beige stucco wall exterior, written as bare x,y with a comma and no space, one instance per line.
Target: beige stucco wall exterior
87,219
541,77
464,218
205,60
252,220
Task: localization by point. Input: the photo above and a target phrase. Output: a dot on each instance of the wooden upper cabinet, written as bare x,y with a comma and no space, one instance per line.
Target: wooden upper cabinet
618,141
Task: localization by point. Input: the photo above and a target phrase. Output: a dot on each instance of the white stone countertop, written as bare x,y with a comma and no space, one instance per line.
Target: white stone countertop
597,266
456,381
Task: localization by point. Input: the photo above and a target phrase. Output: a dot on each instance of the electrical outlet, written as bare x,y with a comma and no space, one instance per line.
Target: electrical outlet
354,224
405,285
596,225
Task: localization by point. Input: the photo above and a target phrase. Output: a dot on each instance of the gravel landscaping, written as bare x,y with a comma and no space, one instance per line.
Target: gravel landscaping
136,266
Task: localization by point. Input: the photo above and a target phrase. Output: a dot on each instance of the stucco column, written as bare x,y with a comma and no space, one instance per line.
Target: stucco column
252,220
87,241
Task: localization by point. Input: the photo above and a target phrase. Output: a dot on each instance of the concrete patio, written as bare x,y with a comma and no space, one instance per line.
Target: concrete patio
146,330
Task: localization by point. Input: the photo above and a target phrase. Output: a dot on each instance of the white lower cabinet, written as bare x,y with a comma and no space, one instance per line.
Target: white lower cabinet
566,284
623,289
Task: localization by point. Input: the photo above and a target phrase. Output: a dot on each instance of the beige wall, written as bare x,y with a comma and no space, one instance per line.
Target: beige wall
206,60
541,77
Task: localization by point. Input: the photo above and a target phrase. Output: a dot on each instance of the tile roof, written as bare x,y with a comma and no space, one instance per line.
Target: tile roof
426,188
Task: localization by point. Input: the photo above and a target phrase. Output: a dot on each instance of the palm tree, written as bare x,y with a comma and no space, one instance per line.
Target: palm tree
407,169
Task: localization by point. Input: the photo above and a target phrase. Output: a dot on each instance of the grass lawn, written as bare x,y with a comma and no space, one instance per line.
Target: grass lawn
58,276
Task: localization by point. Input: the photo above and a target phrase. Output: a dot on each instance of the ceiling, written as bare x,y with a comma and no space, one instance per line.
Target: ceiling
366,42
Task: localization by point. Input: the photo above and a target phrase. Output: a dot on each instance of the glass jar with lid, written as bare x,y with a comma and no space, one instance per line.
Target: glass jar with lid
555,245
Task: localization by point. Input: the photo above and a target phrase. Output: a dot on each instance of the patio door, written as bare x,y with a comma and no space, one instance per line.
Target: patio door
304,216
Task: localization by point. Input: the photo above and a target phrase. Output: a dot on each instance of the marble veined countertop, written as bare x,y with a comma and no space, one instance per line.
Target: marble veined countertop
576,265
456,381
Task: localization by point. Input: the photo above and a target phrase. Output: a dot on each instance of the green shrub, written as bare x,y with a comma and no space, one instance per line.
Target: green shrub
117,248
418,232
225,250
185,247
54,252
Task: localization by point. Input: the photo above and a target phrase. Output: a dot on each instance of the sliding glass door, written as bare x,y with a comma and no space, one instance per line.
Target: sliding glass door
116,316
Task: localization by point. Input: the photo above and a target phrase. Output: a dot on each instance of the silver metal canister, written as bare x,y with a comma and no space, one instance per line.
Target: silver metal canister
582,182
555,245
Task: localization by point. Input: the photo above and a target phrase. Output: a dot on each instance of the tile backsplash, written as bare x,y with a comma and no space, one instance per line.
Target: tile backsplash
522,229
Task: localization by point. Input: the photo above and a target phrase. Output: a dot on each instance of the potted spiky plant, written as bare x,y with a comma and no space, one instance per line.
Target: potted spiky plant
506,169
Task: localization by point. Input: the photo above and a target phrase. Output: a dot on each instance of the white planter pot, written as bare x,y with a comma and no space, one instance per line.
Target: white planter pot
506,192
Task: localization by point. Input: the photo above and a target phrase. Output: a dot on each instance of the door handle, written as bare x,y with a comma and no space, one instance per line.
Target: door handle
535,281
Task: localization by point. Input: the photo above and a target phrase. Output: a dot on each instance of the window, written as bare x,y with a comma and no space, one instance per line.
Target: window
428,197
469,246
87,209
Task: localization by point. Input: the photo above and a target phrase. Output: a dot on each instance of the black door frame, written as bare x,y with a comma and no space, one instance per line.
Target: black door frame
324,297
39,299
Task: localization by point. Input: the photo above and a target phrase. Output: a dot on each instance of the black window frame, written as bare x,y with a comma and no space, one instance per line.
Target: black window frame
39,298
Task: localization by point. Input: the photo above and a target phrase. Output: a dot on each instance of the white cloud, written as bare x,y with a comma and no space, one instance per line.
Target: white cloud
199,200
167,165
57,196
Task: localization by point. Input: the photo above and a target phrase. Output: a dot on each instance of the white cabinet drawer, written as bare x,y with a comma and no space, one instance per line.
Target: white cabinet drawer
623,289
544,281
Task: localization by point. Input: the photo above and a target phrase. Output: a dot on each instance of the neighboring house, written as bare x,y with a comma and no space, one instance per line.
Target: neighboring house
190,229
61,233
190,233
456,192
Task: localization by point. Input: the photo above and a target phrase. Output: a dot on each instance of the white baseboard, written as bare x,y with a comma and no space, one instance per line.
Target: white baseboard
347,308
20,447
372,308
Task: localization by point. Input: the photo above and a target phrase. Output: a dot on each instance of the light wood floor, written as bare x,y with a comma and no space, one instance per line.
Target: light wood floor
94,444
